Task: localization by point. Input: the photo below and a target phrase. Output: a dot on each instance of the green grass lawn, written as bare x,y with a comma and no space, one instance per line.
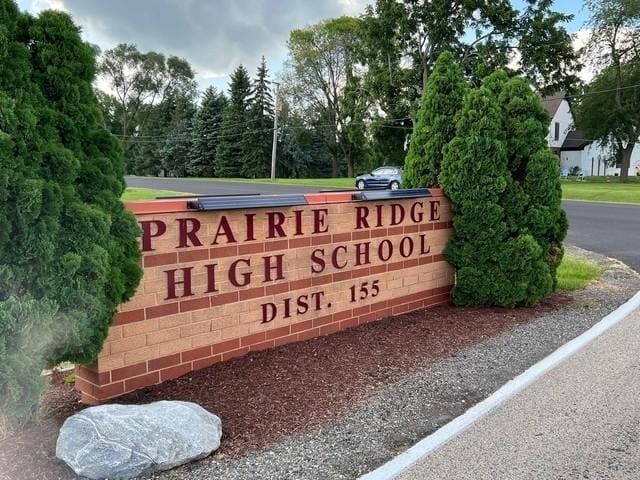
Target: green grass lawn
575,274
610,179
303,182
595,189
602,189
132,193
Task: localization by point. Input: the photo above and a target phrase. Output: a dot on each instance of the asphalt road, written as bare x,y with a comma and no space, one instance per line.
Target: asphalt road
606,228
609,229
579,421
205,187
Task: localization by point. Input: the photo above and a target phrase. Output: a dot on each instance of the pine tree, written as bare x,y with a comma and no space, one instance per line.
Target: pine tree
435,127
146,153
206,130
230,153
174,155
293,160
68,249
259,137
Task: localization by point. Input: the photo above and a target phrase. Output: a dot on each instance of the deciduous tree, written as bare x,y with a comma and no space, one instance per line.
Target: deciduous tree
403,39
138,82
608,113
322,63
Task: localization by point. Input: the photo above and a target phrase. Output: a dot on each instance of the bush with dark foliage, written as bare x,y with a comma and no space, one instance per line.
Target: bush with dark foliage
68,249
503,183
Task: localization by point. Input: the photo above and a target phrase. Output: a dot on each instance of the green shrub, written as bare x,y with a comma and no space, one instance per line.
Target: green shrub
441,100
545,218
68,249
488,172
535,171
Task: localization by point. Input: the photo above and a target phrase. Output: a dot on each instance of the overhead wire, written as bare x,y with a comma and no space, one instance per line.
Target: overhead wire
379,123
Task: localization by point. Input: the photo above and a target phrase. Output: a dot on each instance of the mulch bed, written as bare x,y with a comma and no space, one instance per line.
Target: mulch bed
270,395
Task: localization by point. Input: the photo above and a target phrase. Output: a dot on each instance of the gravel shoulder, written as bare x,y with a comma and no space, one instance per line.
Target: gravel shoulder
379,427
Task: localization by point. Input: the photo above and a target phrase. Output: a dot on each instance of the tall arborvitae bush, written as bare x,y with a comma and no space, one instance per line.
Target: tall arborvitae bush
535,204
499,260
545,218
68,249
441,100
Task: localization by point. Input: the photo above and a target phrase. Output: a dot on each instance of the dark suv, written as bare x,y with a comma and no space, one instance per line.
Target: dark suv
382,177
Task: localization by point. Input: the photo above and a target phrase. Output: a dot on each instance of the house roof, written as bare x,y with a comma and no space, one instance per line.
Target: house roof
574,141
552,102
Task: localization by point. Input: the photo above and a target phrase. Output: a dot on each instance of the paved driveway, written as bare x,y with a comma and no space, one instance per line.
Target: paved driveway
610,229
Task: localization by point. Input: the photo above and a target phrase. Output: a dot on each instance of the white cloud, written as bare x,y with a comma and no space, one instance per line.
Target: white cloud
580,40
353,7
39,5
215,36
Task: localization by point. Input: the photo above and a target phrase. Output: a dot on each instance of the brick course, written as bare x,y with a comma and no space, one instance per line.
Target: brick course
155,337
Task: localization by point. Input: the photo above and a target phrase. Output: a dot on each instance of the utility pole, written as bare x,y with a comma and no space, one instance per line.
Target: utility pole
275,135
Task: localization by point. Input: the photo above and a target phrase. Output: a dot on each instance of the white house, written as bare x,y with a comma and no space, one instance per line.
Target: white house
573,148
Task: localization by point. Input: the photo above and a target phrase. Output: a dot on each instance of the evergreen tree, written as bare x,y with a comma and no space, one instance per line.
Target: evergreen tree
293,159
494,266
174,155
546,219
68,249
510,229
441,100
162,119
533,200
206,130
231,150
259,138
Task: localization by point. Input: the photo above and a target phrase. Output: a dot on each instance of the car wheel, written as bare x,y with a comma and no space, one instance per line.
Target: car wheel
394,185
360,185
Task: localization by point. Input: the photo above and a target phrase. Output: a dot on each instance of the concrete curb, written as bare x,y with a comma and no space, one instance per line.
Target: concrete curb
452,429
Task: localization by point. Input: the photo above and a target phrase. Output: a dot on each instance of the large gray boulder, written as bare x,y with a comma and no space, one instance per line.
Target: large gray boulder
123,441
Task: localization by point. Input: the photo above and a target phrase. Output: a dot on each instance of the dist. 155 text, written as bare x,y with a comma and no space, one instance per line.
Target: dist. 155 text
364,290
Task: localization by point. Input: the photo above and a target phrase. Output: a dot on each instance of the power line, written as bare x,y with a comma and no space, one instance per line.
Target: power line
586,94
162,140
377,123
237,124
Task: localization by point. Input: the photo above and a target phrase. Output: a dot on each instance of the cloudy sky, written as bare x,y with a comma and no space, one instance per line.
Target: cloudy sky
215,35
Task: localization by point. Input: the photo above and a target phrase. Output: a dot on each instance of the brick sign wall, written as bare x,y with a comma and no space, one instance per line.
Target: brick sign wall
219,284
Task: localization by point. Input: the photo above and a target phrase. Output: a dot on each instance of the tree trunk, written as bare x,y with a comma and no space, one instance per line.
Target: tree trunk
350,166
626,162
334,166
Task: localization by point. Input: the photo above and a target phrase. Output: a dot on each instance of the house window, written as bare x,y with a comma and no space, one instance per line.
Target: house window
556,133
